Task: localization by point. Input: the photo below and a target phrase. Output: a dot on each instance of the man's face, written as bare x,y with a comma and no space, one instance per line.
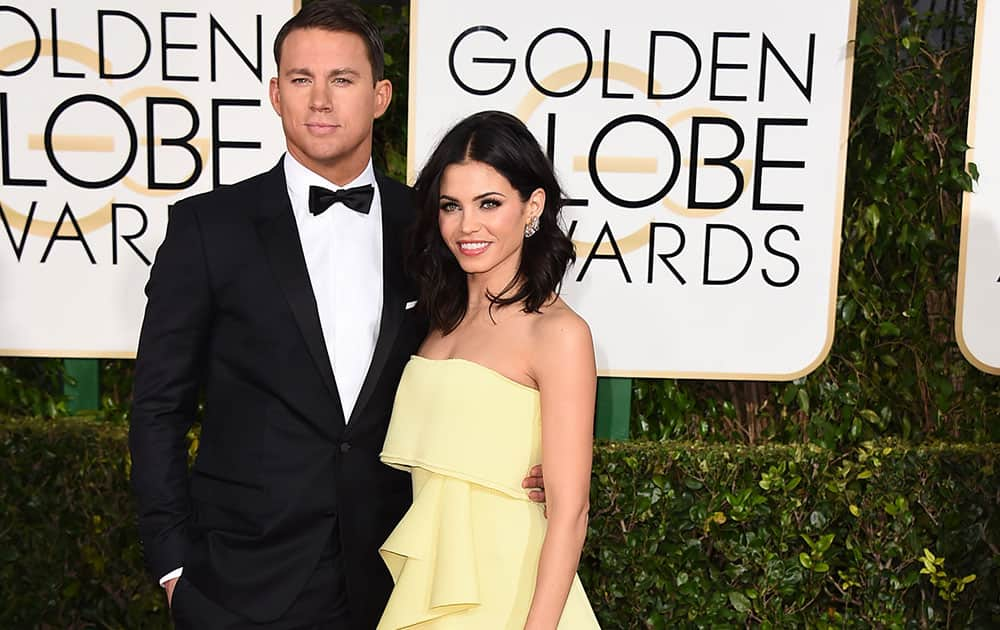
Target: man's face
327,100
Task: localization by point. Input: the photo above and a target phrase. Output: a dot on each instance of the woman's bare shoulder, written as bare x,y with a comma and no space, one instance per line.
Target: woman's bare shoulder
559,329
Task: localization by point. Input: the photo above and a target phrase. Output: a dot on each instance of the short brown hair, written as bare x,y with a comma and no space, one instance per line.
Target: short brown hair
337,15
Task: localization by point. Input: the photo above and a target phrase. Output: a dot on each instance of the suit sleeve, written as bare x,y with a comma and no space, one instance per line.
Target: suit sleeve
168,376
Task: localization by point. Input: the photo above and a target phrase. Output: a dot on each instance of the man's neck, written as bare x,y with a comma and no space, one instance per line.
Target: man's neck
340,174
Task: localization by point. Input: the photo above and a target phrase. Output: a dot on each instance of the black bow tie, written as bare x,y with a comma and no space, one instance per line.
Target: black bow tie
358,199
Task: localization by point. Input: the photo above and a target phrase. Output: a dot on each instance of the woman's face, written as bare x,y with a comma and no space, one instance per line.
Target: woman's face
482,219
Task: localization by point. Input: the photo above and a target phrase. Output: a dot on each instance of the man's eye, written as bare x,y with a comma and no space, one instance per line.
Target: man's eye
300,81
342,81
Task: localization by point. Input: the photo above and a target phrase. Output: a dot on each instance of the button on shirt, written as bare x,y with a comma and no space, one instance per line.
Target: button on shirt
343,252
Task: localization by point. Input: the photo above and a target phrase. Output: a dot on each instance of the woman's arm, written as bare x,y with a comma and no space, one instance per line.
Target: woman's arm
567,378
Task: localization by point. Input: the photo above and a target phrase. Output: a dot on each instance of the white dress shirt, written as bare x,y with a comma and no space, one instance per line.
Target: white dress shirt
343,252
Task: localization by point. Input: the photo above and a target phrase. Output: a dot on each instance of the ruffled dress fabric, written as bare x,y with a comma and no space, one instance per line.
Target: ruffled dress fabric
466,553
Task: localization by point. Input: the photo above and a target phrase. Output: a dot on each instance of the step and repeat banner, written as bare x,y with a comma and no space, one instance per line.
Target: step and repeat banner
110,110
702,147
977,317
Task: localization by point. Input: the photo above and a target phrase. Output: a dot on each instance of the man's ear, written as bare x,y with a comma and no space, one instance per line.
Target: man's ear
274,93
383,96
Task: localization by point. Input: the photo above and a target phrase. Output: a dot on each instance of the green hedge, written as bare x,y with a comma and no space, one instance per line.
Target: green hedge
681,535
794,536
69,551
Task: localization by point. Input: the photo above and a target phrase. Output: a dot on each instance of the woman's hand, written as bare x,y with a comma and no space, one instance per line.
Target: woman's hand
535,483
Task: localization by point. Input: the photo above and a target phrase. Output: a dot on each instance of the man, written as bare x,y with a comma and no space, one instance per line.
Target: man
283,299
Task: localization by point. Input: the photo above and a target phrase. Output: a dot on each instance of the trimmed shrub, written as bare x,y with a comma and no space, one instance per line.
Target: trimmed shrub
794,536
69,550
680,535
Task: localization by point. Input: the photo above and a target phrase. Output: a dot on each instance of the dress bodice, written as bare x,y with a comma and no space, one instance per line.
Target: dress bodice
462,419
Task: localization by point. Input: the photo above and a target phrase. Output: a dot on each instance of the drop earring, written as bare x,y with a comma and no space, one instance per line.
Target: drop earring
531,228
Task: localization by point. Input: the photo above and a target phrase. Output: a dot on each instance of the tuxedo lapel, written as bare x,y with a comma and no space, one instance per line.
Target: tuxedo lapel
395,206
280,238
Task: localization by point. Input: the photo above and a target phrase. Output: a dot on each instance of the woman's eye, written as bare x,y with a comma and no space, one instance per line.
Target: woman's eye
449,207
490,203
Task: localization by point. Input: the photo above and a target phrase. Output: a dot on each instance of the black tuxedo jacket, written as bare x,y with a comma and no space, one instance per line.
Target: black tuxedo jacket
231,315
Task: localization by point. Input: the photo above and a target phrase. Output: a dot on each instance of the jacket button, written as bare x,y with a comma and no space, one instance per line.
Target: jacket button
345,446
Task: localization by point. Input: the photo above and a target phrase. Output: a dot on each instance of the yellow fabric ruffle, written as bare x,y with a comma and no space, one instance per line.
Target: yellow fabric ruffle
431,556
465,555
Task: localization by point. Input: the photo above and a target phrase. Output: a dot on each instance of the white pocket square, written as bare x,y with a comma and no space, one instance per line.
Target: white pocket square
410,305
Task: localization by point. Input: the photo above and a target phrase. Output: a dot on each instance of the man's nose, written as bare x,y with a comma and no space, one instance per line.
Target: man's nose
319,98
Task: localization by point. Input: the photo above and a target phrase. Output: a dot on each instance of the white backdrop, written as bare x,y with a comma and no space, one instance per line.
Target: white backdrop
75,82
977,319
725,281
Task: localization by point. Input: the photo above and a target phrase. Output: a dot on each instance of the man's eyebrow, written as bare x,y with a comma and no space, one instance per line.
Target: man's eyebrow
336,72
339,72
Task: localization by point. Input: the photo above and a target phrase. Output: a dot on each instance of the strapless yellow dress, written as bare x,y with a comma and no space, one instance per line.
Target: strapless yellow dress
465,555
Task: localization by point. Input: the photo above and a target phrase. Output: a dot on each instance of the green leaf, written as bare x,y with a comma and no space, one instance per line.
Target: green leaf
888,329
739,601
71,590
803,397
898,150
818,520
873,217
824,542
848,311
789,395
869,416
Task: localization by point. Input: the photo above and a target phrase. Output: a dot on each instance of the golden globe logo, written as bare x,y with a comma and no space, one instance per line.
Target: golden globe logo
116,137
111,110
481,63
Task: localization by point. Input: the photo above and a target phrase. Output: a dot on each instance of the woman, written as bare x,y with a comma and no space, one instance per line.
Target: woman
504,380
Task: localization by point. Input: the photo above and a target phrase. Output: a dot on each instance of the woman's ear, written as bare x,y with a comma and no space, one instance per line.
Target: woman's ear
536,204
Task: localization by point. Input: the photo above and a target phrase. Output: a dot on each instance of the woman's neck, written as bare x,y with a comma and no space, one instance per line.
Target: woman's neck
480,289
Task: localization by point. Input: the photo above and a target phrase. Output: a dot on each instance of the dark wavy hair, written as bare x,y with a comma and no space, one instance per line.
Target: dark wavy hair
503,142
336,15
